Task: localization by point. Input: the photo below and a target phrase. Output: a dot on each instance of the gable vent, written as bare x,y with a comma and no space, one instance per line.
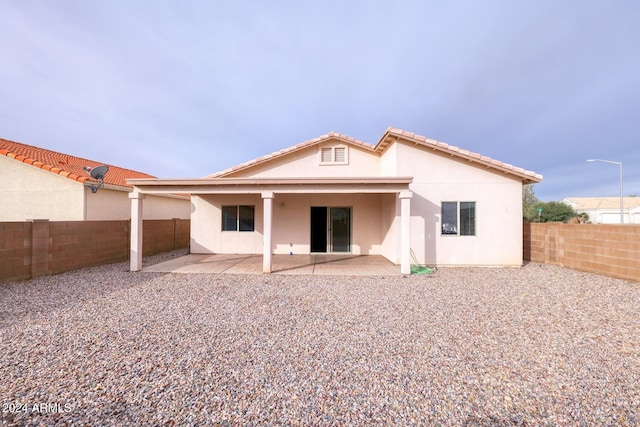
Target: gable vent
326,155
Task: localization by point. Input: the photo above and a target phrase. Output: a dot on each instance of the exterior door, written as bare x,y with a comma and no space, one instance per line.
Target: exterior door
318,229
340,229
330,229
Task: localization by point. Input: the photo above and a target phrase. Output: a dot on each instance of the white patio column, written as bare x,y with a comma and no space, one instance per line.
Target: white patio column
135,257
267,198
405,231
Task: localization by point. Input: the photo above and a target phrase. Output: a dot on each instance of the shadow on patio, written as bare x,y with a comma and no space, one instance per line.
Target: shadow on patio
319,264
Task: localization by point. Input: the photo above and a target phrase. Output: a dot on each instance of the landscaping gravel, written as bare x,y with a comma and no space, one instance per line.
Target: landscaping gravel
538,345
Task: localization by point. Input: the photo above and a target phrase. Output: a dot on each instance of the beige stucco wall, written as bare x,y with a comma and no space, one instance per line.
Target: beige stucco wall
376,218
30,193
306,163
27,192
206,225
291,223
111,204
498,197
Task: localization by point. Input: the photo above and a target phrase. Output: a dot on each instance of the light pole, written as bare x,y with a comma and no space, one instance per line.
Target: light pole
621,197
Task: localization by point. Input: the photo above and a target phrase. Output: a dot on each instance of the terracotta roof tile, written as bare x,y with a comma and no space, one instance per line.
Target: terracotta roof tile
65,165
391,134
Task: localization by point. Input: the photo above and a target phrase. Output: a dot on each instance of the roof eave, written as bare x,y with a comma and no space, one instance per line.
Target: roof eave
393,135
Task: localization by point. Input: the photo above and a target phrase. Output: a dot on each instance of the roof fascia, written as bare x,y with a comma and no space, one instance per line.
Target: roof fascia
277,185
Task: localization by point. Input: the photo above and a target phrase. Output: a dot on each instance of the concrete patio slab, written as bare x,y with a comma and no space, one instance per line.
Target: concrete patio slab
315,264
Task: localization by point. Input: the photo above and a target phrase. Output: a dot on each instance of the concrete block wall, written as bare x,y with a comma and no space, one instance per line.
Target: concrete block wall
15,251
75,245
608,249
164,235
40,247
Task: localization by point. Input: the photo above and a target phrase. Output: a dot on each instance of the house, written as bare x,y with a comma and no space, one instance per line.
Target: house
606,210
405,197
36,183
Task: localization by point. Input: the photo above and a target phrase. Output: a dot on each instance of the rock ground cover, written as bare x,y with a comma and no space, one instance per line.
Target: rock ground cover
538,345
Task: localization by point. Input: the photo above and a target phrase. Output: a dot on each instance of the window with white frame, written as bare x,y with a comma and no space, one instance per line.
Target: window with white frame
458,218
238,218
337,155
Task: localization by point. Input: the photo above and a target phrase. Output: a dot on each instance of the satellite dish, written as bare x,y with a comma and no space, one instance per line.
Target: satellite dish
98,174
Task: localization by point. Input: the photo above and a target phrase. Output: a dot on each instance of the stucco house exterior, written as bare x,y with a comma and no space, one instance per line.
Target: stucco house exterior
405,197
36,183
606,210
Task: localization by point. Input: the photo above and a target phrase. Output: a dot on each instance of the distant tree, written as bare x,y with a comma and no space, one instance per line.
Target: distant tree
555,212
529,203
583,217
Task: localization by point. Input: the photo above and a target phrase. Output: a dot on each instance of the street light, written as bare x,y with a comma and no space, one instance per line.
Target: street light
621,197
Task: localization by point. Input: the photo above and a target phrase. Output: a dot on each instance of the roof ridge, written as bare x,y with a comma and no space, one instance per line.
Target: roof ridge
301,145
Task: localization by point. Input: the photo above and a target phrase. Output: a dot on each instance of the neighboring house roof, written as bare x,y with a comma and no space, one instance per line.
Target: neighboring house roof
392,134
66,165
595,203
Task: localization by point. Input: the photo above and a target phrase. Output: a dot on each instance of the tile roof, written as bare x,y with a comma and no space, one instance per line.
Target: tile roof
66,165
603,202
322,138
392,134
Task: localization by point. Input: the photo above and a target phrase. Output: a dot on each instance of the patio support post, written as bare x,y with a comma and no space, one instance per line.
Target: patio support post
405,231
135,257
267,199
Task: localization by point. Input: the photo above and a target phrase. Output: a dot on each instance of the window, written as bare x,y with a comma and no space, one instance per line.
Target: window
334,155
467,218
238,218
462,213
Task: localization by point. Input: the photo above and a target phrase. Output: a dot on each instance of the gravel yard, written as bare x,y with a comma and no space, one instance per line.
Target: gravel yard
540,345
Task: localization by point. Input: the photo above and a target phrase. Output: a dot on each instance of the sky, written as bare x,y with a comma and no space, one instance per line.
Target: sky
182,89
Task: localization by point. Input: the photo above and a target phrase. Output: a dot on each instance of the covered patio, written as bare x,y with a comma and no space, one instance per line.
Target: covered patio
267,189
311,264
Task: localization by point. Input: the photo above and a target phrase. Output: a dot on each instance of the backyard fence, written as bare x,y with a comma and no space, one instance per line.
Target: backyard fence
38,248
611,250
41,247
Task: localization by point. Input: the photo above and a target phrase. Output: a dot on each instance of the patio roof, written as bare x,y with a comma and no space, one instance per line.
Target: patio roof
276,185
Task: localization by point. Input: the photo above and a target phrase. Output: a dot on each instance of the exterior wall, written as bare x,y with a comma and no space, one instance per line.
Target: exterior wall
306,163
611,216
390,227
30,193
437,177
291,223
108,204
41,248
164,207
389,161
206,234
498,198
611,250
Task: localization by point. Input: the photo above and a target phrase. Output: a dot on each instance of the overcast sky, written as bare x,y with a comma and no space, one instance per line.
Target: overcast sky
183,89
